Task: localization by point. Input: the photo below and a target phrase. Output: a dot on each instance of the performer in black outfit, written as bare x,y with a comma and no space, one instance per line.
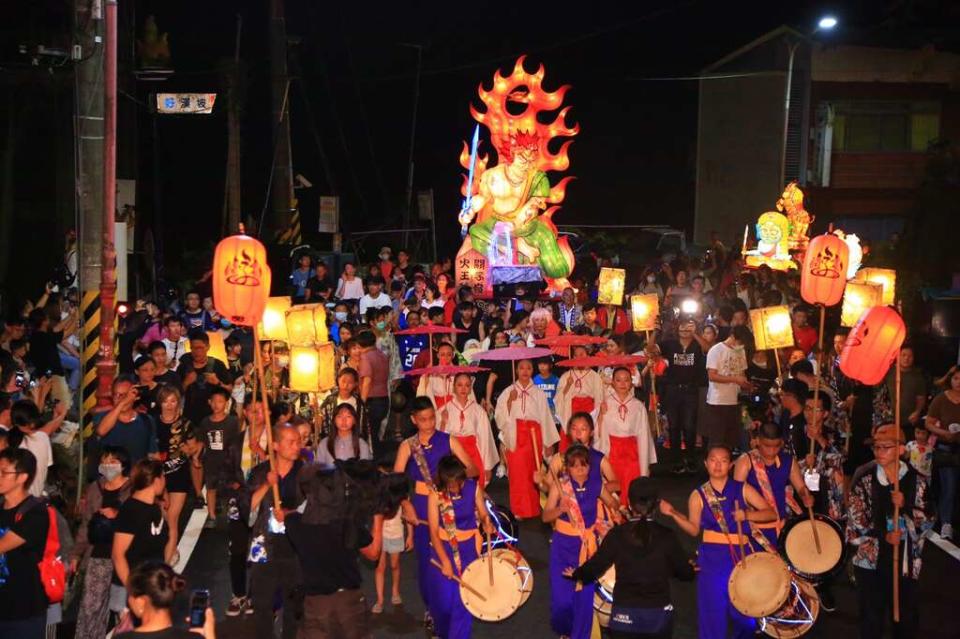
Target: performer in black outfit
646,554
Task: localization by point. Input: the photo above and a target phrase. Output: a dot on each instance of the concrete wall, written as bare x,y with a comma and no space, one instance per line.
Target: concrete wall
738,156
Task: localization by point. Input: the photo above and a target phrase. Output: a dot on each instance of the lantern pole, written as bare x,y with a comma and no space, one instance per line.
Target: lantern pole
896,509
653,387
258,362
776,357
816,407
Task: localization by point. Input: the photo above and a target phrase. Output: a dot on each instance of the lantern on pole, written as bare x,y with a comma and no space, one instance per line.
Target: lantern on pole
273,325
644,310
857,298
611,286
873,345
772,327
886,277
824,272
307,325
241,279
312,369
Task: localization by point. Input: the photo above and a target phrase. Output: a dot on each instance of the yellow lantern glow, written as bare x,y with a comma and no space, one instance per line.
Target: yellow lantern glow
273,326
857,299
611,286
644,310
307,325
887,277
772,327
312,369
217,349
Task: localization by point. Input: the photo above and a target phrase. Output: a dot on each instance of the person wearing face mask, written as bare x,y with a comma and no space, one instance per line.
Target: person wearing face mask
94,541
379,321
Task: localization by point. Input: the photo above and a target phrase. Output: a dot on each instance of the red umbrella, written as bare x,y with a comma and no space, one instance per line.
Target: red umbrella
512,354
430,330
569,340
445,370
603,360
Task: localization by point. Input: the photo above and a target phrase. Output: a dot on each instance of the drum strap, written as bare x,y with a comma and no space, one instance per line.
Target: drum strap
448,518
713,501
576,525
763,480
416,449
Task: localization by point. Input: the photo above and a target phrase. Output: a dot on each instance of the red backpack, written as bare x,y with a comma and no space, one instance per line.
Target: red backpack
53,575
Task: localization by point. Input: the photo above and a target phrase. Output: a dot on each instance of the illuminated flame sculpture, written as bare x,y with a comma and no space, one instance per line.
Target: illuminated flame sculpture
516,190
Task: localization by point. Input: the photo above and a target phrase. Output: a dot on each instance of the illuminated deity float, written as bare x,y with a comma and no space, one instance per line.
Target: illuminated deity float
509,206
781,234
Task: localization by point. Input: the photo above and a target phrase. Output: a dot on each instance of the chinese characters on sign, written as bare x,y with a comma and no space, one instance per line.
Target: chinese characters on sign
186,103
471,270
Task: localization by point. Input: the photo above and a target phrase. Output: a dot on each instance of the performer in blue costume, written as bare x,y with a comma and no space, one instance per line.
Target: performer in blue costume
575,507
716,507
454,509
769,470
580,430
419,457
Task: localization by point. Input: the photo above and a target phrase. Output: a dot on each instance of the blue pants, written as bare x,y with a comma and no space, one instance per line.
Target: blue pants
451,620
714,610
947,500
71,366
571,610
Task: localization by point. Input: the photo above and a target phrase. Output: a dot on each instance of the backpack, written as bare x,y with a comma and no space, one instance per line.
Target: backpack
52,572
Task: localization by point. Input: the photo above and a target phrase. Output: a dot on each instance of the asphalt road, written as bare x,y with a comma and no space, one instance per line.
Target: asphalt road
208,568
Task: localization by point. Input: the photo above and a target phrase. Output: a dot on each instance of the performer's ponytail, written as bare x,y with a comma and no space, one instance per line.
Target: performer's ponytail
644,501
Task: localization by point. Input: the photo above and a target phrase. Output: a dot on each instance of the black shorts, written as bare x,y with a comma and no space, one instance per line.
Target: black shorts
177,473
213,466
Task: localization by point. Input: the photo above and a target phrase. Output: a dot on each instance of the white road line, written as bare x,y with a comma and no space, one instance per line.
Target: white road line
190,536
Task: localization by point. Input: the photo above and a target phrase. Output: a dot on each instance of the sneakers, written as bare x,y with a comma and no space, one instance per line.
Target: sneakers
200,503
237,606
946,531
210,524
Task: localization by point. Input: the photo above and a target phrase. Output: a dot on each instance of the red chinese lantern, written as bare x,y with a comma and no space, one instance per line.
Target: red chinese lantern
241,279
873,345
824,273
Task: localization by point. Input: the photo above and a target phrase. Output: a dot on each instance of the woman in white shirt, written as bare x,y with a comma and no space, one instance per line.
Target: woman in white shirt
624,432
432,297
467,422
345,443
349,286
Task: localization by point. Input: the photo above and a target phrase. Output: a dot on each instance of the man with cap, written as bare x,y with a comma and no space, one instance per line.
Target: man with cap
646,555
875,496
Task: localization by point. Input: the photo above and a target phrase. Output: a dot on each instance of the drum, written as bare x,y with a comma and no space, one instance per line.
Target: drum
526,573
500,600
762,586
759,585
603,598
799,550
797,616
508,532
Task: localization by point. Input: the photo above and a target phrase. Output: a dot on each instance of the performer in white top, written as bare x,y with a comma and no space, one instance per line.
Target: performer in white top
439,388
624,432
580,390
467,422
523,417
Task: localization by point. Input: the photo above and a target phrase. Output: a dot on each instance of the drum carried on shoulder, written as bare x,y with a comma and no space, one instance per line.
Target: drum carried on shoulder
779,592
495,593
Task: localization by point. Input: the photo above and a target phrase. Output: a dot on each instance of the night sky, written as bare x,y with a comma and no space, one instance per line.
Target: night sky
352,97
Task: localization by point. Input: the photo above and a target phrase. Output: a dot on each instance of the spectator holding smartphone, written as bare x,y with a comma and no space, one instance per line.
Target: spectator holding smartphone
153,589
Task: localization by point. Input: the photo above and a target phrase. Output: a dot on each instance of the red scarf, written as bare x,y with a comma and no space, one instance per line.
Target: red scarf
621,406
523,394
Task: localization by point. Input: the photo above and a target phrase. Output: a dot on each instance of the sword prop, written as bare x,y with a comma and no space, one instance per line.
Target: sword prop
468,200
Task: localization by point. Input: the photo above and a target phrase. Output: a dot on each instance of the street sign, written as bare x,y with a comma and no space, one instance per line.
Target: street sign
329,214
186,103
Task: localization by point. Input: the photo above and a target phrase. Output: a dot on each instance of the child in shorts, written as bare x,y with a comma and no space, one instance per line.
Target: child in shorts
394,489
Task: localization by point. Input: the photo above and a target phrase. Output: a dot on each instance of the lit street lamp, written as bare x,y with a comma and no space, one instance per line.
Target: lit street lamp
825,23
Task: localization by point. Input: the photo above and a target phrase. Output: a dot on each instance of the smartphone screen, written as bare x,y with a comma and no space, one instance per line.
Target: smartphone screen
199,602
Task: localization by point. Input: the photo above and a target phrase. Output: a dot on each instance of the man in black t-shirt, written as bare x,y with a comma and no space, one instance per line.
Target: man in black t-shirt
24,524
200,374
686,373
219,432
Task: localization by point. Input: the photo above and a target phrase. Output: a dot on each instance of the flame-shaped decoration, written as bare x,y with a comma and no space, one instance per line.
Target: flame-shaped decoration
521,87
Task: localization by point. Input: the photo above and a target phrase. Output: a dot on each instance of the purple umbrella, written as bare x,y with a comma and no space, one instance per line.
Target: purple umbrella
512,354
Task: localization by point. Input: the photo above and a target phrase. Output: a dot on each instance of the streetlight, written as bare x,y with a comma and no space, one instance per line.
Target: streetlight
826,23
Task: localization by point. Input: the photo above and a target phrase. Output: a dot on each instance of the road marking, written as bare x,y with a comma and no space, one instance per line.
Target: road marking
190,536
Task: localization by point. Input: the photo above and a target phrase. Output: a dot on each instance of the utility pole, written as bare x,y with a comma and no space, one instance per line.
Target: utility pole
408,202
89,127
282,173
106,365
231,202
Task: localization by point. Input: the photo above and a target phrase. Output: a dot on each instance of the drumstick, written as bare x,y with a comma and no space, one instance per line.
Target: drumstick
813,525
736,511
460,581
489,556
